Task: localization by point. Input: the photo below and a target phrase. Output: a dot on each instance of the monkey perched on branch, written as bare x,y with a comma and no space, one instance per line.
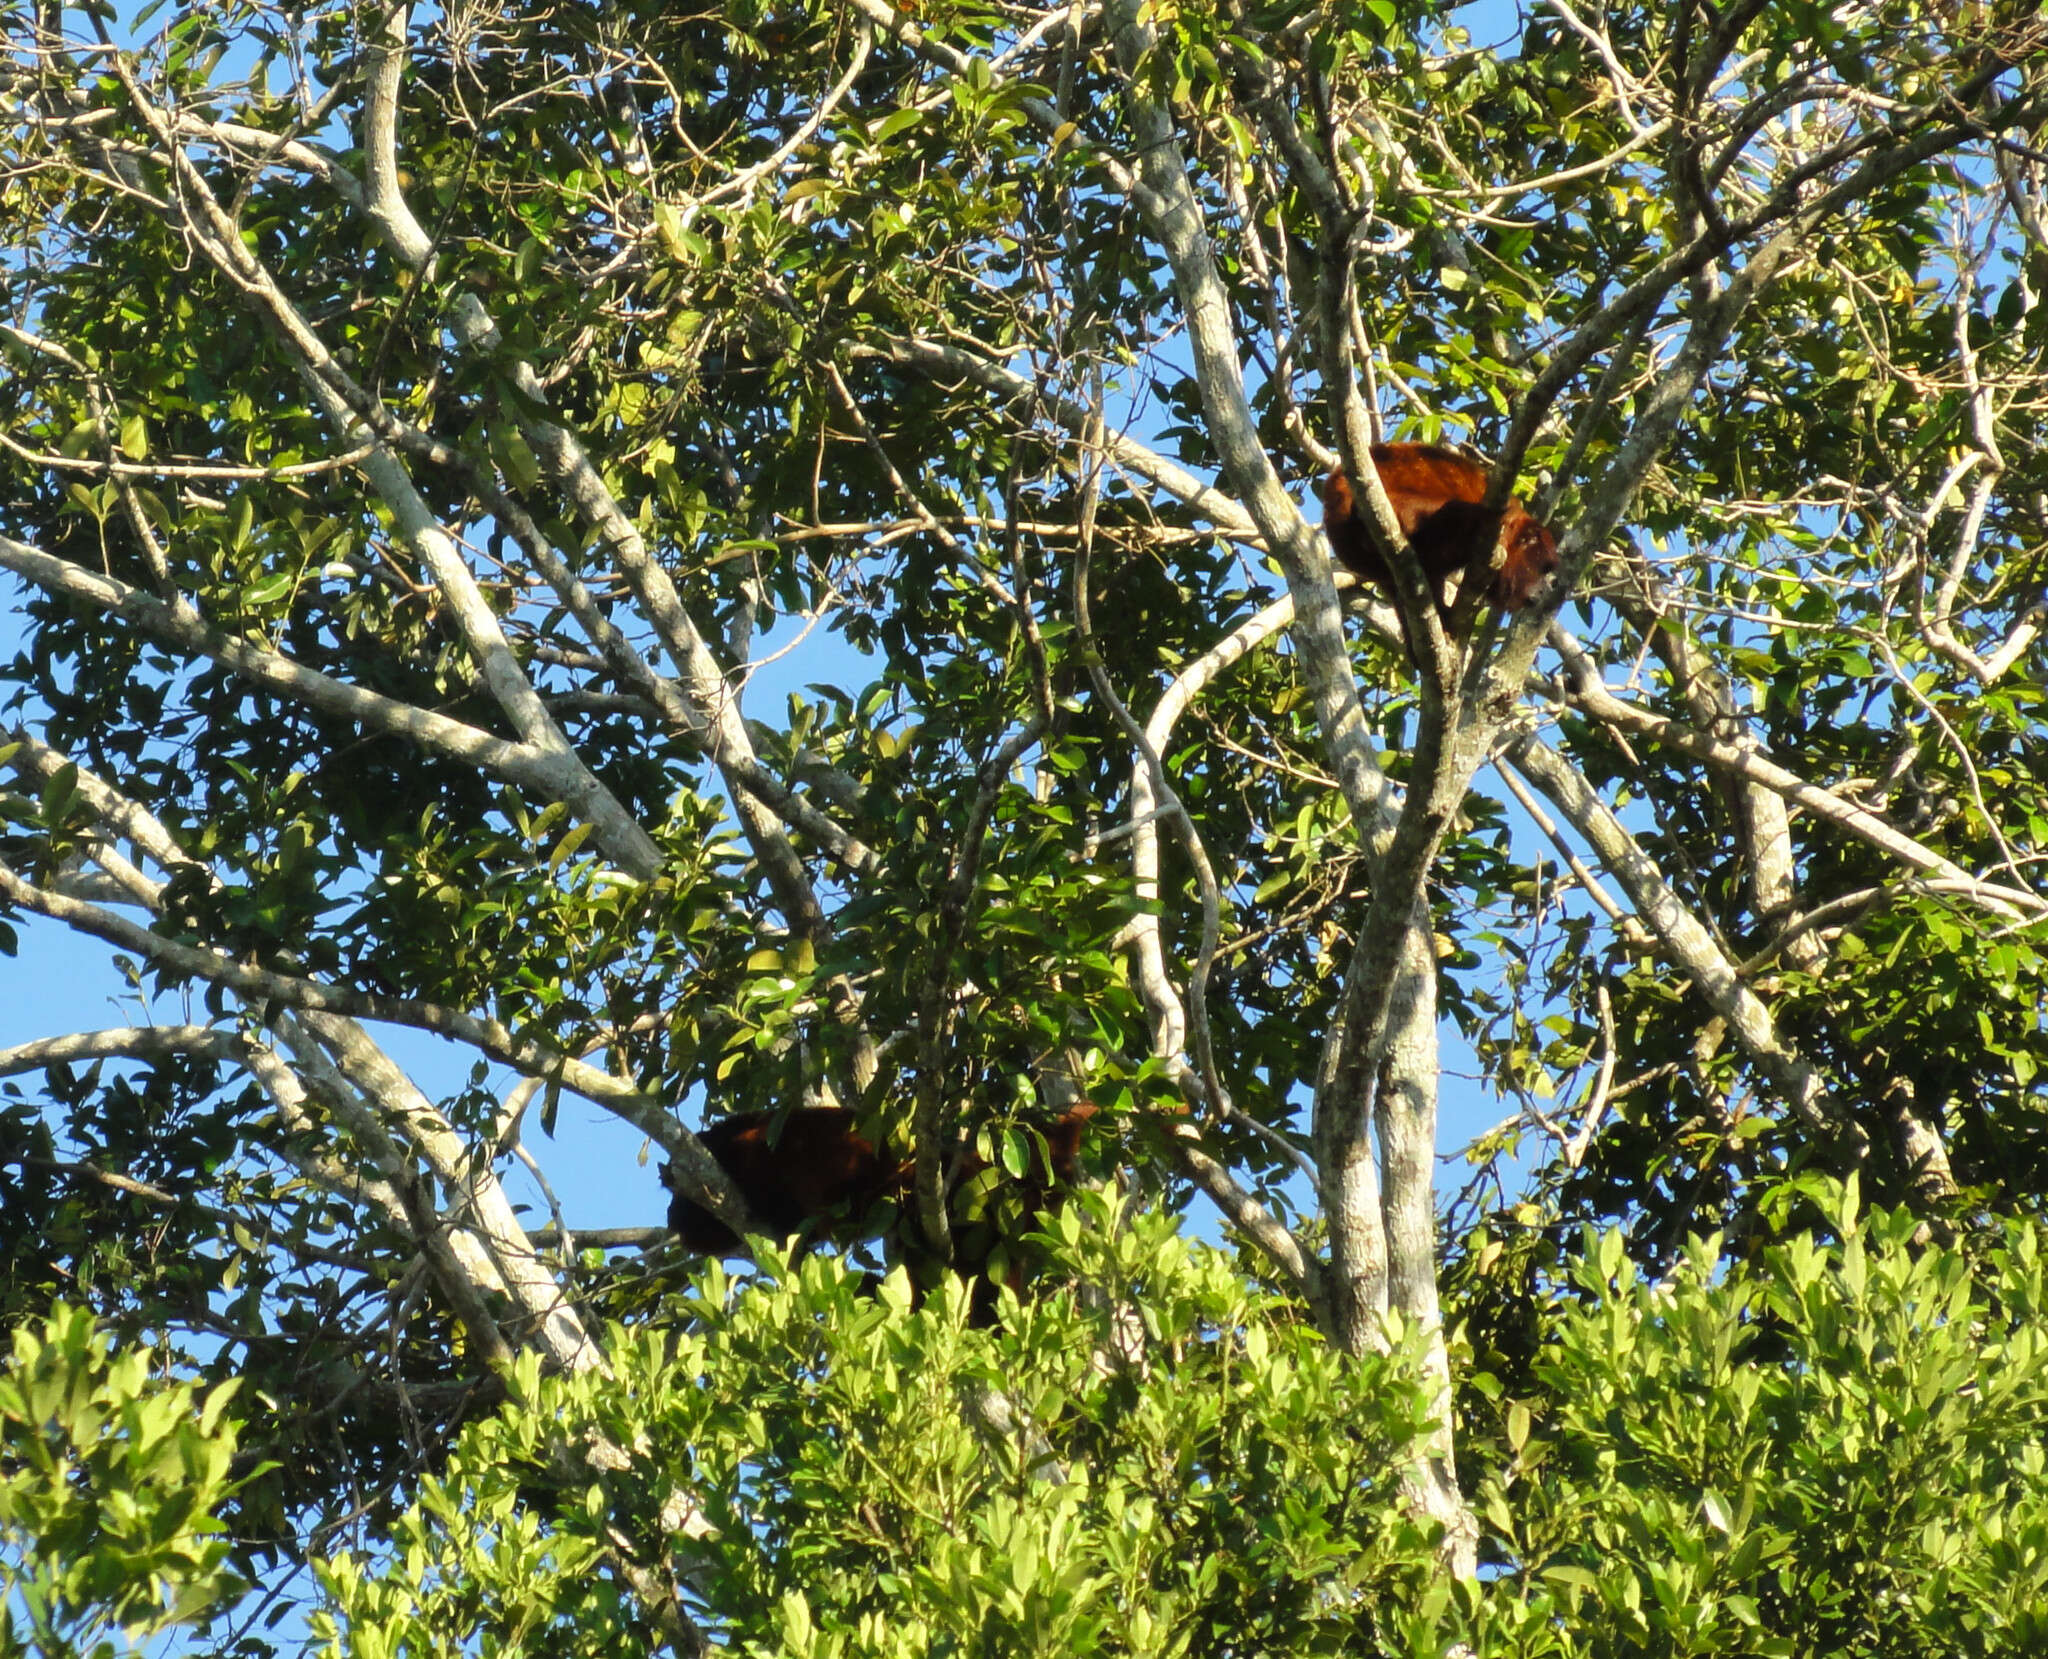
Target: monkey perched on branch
1435,493
815,1169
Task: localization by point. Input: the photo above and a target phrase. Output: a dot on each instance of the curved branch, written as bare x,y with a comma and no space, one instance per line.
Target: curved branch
177,624
262,986
1588,694
1687,943
121,1042
1155,984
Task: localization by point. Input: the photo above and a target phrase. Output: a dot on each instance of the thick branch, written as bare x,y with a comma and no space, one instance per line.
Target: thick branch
261,986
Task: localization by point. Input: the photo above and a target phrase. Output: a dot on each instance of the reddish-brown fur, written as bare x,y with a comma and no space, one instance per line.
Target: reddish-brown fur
818,1167
1435,494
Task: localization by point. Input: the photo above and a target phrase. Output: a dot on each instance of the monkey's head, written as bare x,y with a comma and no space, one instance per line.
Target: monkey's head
1531,559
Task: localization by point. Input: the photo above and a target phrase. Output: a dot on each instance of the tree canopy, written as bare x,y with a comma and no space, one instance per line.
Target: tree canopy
421,428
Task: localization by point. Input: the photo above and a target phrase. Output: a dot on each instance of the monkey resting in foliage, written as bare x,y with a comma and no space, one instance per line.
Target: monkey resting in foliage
1435,494
816,1168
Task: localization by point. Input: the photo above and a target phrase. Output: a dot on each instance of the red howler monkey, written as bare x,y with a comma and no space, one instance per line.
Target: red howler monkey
1435,494
818,1166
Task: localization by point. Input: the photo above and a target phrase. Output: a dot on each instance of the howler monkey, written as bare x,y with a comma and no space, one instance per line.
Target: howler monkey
818,1167
1435,494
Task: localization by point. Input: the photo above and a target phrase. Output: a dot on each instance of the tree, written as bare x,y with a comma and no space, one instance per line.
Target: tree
1829,1449
422,427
